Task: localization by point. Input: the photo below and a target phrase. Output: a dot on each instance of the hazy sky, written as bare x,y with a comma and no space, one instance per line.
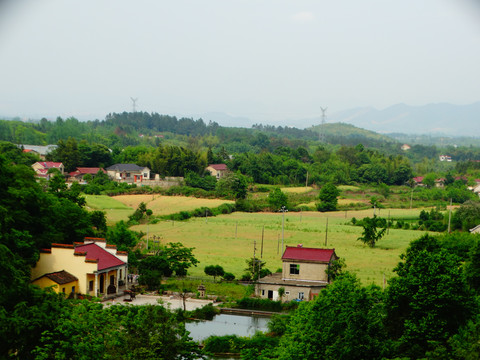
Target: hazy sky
268,60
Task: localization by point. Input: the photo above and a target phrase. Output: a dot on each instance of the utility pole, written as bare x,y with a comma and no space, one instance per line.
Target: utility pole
261,251
326,233
283,209
411,199
254,261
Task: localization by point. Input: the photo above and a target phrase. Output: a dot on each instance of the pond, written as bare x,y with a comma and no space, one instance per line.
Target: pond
227,324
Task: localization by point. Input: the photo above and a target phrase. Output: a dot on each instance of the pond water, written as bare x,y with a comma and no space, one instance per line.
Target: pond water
227,324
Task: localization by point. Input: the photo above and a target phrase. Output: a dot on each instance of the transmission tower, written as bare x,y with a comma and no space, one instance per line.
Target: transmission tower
322,127
134,102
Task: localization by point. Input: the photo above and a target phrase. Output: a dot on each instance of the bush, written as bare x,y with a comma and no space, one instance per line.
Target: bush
228,276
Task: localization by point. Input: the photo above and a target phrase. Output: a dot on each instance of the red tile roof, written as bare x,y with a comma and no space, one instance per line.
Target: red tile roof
308,254
50,164
87,170
103,257
218,166
61,277
418,179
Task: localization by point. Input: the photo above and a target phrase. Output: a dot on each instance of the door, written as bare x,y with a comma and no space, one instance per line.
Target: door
102,284
270,294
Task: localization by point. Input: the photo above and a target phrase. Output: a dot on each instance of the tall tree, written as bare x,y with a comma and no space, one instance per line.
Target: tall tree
343,322
328,198
428,301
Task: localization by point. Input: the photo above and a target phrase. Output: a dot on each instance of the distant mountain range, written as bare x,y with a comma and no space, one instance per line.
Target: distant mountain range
437,119
433,119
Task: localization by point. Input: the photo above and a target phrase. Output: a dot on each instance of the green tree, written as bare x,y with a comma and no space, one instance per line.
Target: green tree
467,216
122,236
472,267
371,234
67,153
214,270
328,198
152,269
179,257
256,269
233,184
276,199
428,301
343,322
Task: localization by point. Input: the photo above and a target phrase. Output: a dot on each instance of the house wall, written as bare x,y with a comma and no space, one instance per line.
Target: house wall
291,292
45,282
308,271
64,259
217,173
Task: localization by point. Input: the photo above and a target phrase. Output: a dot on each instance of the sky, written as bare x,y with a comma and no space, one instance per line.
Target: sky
267,60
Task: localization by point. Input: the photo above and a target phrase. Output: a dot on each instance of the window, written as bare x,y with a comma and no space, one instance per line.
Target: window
263,292
73,289
128,174
90,285
294,269
145,175
287,292
301,296
63,290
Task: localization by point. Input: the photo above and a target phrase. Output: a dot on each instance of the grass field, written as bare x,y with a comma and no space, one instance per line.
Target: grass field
228,240
120,207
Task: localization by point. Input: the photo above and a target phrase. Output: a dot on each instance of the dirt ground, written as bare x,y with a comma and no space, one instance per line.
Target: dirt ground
173,302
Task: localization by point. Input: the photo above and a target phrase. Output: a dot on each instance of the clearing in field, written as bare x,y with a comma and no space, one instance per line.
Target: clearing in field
228,240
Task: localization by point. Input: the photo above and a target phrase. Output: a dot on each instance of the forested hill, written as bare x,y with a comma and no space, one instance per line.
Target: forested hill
347,134
123,129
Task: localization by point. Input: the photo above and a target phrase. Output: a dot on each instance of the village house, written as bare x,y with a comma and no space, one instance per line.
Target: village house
80,172
303,276
92,267
406,147
41,150
418,181
42,168
129,173
445,158
218,170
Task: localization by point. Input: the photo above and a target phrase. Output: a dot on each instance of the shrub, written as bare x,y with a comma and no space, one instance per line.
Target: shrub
228,276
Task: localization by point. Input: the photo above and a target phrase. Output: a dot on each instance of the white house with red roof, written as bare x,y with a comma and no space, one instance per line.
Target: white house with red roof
100,268
42,167
303,274
218,170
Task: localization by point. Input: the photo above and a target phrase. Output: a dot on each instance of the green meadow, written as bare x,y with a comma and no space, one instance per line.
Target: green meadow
228,240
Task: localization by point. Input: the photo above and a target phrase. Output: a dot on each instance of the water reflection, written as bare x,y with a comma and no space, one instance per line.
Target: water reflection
227,324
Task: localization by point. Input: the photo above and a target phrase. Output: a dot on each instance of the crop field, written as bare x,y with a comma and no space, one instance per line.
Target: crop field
228,240
120,207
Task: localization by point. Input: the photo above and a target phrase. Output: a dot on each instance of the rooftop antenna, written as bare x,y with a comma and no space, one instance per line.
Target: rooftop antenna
322,127
134,101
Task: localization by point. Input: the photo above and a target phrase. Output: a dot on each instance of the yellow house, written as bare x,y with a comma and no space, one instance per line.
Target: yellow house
99,268
218,170
59,281
303,276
